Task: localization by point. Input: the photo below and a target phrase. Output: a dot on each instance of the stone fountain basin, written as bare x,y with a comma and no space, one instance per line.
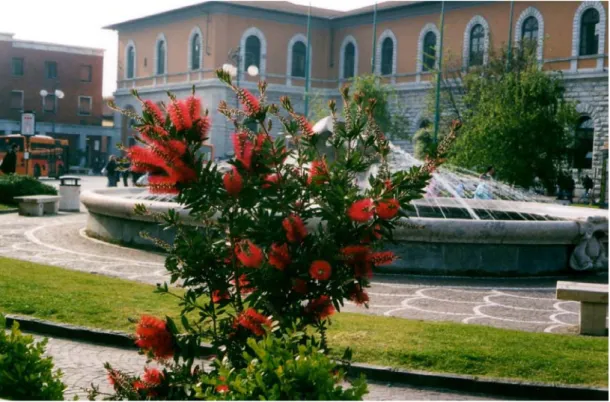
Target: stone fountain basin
425,245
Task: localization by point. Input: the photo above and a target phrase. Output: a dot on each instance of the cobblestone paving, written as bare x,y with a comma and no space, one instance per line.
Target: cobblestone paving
83,364
525,304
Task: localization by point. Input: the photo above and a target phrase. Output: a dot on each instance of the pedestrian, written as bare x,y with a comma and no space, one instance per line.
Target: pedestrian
9,163
570,186
111,171
587,183
125,172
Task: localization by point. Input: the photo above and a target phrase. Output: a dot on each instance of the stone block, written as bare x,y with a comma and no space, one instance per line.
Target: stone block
593,318
30,209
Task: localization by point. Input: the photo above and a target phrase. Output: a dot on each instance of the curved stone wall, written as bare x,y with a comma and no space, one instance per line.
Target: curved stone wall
424,245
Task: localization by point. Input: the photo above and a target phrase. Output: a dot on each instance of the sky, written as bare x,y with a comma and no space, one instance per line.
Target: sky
80,22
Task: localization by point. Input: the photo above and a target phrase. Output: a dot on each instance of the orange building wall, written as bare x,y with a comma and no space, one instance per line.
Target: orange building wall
225,31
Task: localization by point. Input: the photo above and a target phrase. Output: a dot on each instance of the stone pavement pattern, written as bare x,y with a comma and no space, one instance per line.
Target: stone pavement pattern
524,304
83,364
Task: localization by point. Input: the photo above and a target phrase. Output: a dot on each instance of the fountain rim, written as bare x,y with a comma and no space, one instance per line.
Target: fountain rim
112,203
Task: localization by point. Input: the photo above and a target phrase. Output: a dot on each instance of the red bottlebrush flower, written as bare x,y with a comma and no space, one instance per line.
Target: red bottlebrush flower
144,160
295,228
357,257
222,388
271,180
179,115
362,259
249,254
152,376
233,182
300,286
321,307
193,105
388,185
162,185
243,148
139,385
387,209
279,256
203,127
304,125
151,133
251,105
318,172
361,210
244,284
320,270
358,296
254,321
218,296
149,107
260,141
382,258
113,377
152,334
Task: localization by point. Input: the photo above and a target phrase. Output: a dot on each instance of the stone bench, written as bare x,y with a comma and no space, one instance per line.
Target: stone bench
38,205
593,298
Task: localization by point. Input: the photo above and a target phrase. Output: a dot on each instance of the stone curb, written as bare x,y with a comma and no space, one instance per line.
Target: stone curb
9,211
461,383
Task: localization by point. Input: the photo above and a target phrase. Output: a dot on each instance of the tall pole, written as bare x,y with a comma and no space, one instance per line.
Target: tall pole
307,61
510,35
374,39
437,114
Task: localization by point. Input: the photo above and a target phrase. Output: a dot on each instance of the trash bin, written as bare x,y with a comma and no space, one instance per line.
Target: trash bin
69,190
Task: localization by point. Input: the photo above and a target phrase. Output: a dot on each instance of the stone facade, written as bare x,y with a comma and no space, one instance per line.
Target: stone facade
224,28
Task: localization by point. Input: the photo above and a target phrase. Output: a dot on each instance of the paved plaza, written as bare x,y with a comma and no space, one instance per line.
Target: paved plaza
525,304
83,364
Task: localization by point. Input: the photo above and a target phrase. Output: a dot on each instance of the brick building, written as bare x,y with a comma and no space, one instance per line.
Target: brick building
27,67
177,49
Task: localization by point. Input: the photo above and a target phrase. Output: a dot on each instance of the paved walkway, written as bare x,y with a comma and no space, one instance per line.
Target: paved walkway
83,364
524,304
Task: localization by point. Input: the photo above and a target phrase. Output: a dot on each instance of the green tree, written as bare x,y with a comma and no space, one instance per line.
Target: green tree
390,111
514,117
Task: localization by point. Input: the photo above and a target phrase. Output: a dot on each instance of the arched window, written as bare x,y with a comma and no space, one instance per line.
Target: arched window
582,149
429,56
349,60
589,38
477,45
131,62
298,59
161,57
253,52
387,56
529,30
196,52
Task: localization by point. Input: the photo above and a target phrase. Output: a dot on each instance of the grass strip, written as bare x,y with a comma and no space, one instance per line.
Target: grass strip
96,301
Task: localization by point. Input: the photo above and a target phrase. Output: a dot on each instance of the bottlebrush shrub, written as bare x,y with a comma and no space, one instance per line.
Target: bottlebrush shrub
286,236
280,368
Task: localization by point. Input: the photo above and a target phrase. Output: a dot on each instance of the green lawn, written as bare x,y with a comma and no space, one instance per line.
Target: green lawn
4,207
96,301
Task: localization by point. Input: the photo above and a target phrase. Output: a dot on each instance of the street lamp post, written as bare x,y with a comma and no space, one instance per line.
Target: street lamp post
59,94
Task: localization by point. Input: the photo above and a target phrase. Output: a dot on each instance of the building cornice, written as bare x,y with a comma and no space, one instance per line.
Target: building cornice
399,10
53,47
220,7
